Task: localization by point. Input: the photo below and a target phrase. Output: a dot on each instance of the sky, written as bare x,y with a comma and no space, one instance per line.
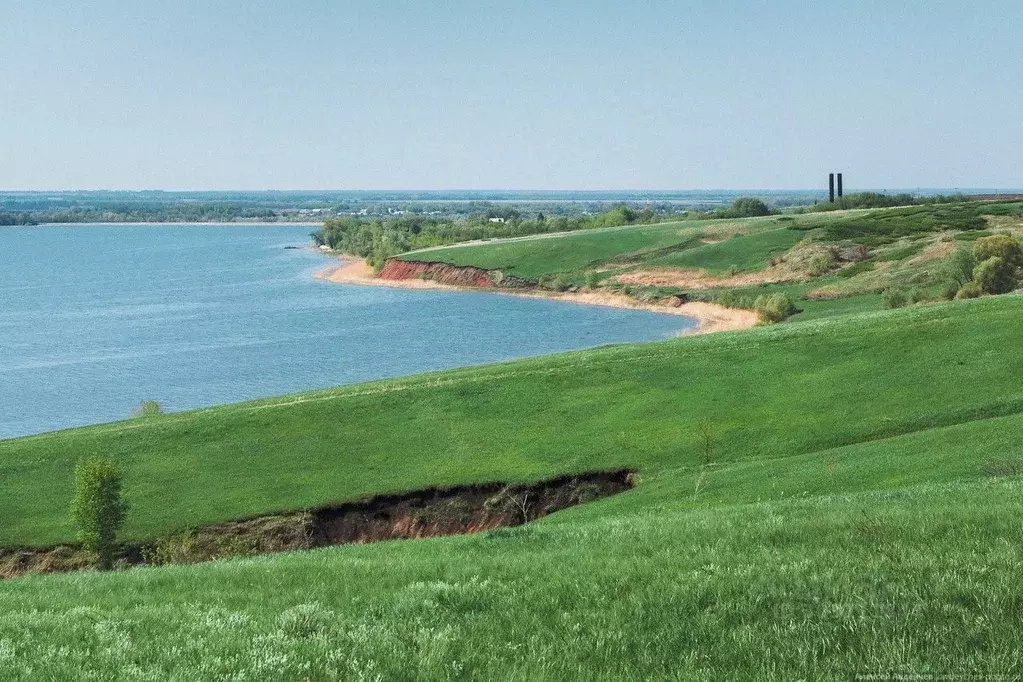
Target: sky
572,94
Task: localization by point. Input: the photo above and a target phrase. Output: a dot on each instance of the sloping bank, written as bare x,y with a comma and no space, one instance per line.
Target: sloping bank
418,514
411,274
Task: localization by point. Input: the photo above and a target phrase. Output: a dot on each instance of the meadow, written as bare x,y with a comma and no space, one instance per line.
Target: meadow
833,496
827,262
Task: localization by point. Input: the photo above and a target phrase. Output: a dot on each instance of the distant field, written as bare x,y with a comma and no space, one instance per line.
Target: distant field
852,256
575,251
682,243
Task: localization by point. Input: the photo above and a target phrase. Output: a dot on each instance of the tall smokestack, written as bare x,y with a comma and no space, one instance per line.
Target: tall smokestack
831,187
839,185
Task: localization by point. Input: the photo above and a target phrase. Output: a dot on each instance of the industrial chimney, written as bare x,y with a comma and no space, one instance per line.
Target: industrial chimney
831,187
839,185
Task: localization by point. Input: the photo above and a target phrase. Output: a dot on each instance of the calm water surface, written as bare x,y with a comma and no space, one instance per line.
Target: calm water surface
95,319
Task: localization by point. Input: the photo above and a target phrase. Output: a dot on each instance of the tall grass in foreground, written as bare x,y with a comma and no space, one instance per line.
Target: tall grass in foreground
923,580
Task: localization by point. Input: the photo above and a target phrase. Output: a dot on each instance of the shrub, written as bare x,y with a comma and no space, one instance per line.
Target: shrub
746,207
97,509
592,280
999,260
894,298
147,408
559,284
999,246
969,290
727,298
996,276
950,288
774,308
918,296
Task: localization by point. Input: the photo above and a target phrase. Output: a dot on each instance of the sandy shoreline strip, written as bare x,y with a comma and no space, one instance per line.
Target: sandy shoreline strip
709,317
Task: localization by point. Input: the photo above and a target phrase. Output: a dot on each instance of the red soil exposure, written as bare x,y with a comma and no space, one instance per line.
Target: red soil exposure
440,272
445,273
420,514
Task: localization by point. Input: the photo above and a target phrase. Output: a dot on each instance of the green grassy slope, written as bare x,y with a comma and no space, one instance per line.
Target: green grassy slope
767,393
835,262
740,253
647,244
533,257
896,555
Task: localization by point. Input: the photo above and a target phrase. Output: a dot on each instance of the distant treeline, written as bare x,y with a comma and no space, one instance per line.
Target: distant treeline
380,239
17,219
129,213
878,200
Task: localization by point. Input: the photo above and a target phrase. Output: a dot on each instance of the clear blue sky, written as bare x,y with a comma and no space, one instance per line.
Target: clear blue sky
588,94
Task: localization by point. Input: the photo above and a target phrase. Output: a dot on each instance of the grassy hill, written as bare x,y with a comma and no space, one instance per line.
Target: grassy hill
816,500
859,511
829,263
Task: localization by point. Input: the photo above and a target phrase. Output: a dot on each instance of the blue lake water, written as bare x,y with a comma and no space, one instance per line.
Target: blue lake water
95,319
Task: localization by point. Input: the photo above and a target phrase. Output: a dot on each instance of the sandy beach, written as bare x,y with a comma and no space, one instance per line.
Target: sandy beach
709,317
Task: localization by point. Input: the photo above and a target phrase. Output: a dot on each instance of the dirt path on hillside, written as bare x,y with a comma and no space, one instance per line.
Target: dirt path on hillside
709,317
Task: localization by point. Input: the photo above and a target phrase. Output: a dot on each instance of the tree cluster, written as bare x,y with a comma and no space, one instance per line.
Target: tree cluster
378,239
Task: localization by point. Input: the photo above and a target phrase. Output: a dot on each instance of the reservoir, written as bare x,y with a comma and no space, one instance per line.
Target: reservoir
95,319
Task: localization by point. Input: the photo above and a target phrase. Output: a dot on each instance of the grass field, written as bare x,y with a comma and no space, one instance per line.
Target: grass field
864,252
819,499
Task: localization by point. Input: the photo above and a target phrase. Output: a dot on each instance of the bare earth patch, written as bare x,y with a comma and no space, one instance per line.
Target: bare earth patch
710,317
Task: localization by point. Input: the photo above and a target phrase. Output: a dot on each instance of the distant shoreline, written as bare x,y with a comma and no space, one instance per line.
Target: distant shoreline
190,223
709,317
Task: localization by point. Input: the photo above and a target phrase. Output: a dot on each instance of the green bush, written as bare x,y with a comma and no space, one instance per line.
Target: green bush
918,296
999,246
97,509
592,280
147,408
894,298
749,207
558,284
774,308
969,290
996,276
950,288
999,260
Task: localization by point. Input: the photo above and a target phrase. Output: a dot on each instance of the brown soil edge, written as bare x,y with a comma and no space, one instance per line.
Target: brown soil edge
424,513
396,273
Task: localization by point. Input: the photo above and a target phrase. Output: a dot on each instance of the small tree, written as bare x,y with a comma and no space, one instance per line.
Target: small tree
747,207
97,508
147,408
